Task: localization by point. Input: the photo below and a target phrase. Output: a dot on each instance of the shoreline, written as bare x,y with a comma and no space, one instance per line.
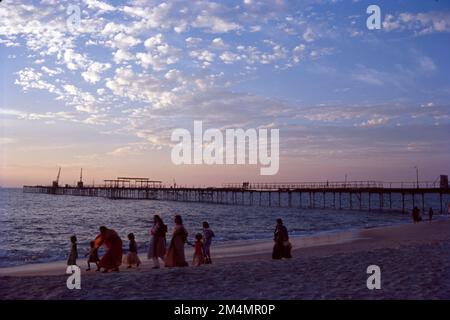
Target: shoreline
249,249
300,241
414,259
221,253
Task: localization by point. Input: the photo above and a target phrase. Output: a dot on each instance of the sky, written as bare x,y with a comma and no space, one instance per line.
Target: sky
105,94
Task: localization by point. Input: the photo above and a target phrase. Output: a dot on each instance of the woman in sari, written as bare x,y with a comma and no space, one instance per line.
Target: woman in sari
282,247
175,254
157,247
112,258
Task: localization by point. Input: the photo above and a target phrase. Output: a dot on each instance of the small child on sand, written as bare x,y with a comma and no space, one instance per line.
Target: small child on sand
198,251
208,234
93,256
72,260
132,256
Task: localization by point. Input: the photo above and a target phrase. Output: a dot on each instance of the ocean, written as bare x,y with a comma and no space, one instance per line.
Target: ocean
36,228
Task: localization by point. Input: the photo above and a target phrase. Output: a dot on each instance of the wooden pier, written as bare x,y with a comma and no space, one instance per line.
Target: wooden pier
354,195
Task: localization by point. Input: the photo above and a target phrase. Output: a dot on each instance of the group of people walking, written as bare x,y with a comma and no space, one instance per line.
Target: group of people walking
112,258
172,256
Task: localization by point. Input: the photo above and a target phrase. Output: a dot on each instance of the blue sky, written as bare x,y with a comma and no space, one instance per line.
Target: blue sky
106,95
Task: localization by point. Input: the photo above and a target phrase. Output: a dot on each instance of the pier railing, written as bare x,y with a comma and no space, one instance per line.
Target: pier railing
370,184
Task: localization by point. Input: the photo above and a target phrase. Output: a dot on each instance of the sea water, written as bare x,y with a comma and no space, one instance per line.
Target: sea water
36,227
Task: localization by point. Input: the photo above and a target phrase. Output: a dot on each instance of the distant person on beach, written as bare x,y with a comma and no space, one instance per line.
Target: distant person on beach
112,258
208,234
430,214
132,257
199,255
72,260
416,215
282,247
175,254
92,256
157,247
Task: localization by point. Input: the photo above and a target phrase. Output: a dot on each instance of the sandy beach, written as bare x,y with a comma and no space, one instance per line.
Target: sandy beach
414,261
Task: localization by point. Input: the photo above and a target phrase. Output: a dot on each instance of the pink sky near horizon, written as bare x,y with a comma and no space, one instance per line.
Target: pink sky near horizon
159,167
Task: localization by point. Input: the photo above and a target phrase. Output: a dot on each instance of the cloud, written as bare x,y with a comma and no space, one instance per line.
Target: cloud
214,24
71,89
229,57
369,76
102,6
74,60
159,55
151,17
309,35
154,41
51,72
130,149
218,43
427,105
251,55
140,87
124,41
192,42
427,64
421,23
111,28
374,122
82,101
97,119
205,57
122,55
155,60
151,66
29,78
9,43
92,74
23,115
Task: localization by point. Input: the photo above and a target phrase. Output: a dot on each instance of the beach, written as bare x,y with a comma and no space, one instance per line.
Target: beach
414,260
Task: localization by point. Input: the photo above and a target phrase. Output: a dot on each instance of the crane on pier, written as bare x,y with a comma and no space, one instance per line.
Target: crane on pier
80,183
55,183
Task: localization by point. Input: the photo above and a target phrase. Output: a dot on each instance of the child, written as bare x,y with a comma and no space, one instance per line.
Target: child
198,251
72,260
93,256
208,234
132,256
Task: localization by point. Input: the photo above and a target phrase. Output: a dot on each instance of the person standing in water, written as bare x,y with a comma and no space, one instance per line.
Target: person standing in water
416,215
72,260
132,257
157,248
92,256
208,234
199,254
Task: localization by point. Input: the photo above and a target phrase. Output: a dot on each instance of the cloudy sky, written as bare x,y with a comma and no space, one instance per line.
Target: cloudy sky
106,94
